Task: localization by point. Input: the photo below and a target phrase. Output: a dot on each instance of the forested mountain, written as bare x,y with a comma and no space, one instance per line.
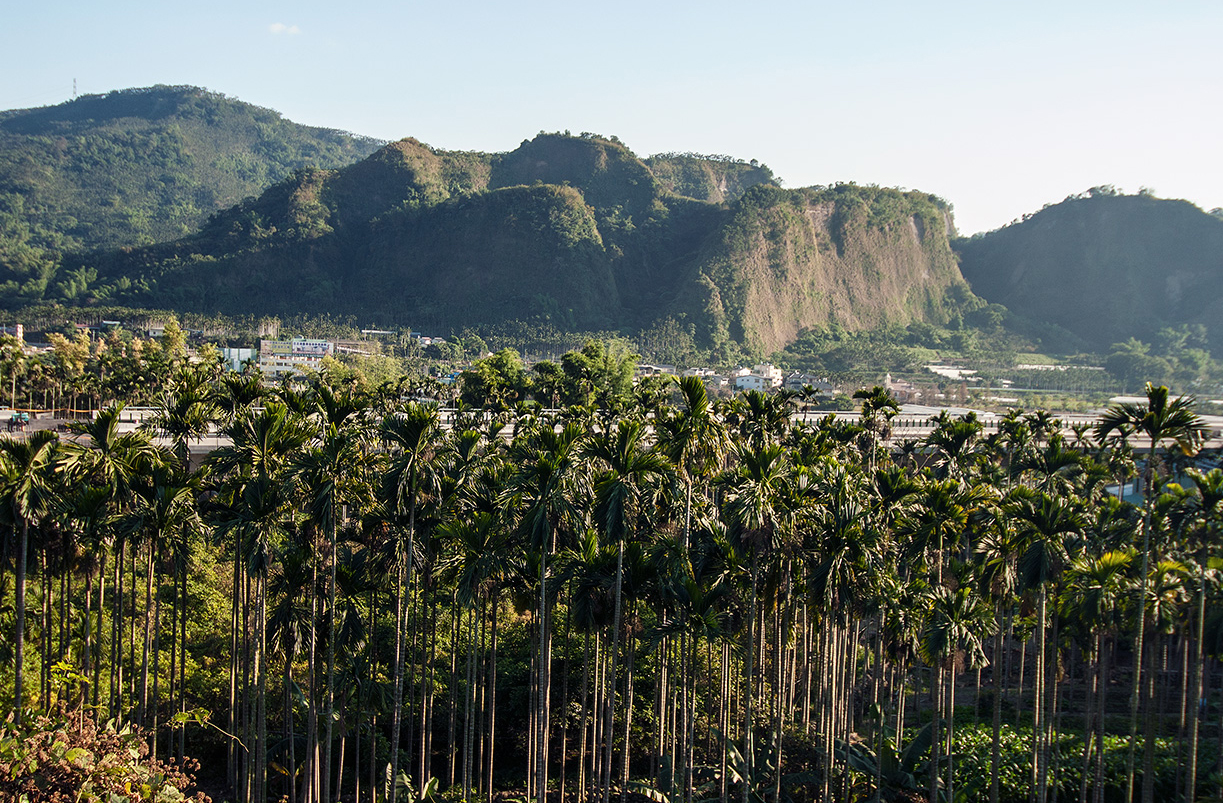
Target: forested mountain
574,230
138,166
1106,267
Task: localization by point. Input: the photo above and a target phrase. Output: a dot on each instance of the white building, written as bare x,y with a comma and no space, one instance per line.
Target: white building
235,357
278,357
765,376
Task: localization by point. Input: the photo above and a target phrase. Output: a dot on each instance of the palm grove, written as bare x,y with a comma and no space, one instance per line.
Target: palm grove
644,591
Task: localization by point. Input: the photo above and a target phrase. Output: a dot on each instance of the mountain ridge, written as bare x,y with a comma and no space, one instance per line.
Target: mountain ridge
1141,264
577,231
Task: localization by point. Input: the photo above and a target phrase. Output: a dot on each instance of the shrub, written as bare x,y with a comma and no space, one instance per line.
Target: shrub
69,758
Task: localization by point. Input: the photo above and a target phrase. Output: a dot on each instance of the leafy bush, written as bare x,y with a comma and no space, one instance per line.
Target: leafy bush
973,748
71,758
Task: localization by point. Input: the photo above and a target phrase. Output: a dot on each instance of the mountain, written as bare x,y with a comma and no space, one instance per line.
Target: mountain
1105,267
138,166
574,230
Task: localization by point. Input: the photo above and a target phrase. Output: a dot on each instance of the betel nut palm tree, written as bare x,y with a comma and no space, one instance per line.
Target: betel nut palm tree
26,493
1160,420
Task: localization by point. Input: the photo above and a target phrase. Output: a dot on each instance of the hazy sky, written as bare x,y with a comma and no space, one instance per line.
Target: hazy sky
999,108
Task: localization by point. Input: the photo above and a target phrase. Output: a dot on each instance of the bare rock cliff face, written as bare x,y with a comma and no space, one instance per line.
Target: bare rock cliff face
803,259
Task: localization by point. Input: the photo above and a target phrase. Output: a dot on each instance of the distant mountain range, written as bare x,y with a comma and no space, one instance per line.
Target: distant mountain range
178,198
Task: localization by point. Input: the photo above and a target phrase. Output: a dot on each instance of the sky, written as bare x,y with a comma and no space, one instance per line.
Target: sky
998,108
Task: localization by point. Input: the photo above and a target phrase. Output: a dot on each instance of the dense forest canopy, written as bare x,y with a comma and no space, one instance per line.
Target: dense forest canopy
357,594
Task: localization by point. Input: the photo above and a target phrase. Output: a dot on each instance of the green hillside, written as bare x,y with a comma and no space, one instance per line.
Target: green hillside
577,232
1106,267
138,166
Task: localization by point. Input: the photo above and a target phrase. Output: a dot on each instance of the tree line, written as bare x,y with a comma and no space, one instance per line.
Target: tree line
362,598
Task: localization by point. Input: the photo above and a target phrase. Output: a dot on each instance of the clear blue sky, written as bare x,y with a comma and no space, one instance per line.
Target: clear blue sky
999,108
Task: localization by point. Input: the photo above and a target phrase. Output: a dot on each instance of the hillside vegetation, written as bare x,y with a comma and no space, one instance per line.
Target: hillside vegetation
1106,267
138,166
575,231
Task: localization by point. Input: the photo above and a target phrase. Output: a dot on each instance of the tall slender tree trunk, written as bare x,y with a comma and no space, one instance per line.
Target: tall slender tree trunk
148,635
995,742
629,665
1195,717
329,713
261,710
1140,635
492,707
586,709
310,791
451,746
97,663
1038,724
564,705
397,705
615,650
544,687
234,659
182,666
749,670
19,647
287,729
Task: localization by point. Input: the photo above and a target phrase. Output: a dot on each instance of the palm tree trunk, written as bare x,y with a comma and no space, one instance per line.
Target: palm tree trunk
544,684
1149,719
182,667
287,729
451,746
97,662
560,781
397,705
469,704
492,707
586,709
615,649
996,672
19,647
749,672
630,663
1195,715
1038,723
232,751
1140,636
778,701
329,713
1103,673
148,634
936,742
311,793
116,629
261,711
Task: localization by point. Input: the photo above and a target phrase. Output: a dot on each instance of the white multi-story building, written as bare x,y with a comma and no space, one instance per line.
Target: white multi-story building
278,357
765,376
235,357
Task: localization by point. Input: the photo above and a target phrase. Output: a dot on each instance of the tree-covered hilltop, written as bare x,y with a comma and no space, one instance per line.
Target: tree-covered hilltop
1106,267
362,595
576,231
138,166
708,178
